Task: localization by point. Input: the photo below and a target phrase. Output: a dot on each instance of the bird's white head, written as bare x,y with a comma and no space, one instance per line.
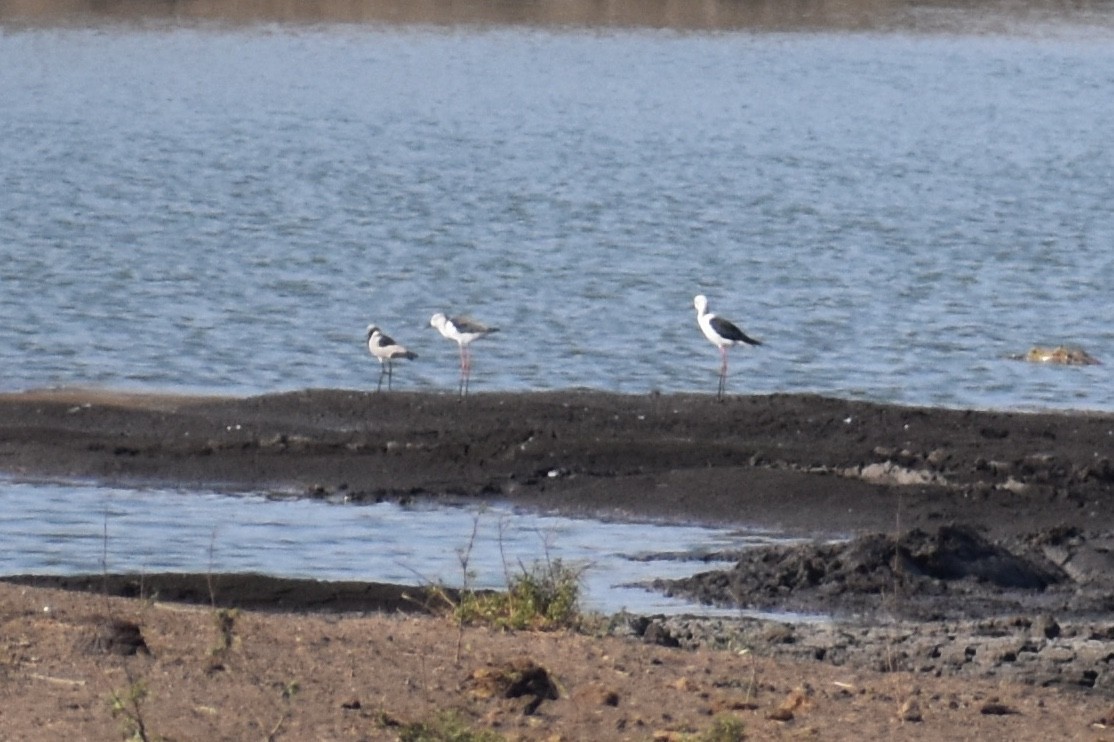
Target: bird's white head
438,320
700,302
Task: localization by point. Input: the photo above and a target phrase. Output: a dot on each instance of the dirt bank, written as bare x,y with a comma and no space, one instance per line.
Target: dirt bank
190,672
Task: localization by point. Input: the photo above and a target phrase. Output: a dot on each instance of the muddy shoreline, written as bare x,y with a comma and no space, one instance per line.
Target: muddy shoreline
970,542
671,14
805,464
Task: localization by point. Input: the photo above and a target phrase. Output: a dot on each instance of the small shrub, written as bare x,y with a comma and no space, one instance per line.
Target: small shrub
445,727
724,729
224,620
128,707
544,597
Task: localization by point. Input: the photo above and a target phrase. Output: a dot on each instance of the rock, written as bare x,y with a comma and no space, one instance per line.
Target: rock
1047,627
1058,655
937,457
891,473
779,633
1062,354
994,707
910,711
517,678
658,634
1016,486
793,704
118,637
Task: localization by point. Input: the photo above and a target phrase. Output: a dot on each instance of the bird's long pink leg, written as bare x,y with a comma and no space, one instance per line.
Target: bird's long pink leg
467,368
723,371
460,388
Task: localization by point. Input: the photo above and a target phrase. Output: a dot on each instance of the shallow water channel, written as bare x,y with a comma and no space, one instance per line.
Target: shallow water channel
76,528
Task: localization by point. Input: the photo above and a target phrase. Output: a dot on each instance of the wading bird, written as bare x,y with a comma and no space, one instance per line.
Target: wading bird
463,331
385,350
721,333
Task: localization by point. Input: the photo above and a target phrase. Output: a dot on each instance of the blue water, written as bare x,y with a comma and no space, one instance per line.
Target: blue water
213,208
83,529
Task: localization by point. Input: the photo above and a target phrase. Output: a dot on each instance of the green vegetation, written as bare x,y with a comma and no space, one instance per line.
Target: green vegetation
724,729
445,727
543,597
128,706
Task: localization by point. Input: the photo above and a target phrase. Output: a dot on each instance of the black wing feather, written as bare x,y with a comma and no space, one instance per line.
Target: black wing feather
467,324
728,330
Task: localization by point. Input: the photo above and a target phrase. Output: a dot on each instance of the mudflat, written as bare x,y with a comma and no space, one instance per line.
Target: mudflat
956,547
807,464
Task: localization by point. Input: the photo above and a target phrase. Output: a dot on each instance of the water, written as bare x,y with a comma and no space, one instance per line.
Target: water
83,529
224,208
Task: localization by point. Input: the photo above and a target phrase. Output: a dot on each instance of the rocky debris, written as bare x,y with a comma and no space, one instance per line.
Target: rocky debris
654,632
890,473
1014,648
1032,608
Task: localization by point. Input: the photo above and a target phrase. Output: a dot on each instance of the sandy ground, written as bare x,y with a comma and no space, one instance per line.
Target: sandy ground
322,676
969,592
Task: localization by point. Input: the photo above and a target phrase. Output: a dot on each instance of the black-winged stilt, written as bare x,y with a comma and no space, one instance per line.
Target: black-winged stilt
463,331
385,350
721,333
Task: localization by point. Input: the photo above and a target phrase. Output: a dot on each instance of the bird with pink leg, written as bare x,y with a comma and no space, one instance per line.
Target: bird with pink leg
721,333
463,331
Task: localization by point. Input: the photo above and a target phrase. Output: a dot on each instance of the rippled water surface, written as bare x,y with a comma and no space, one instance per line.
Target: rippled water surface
208,207
72,529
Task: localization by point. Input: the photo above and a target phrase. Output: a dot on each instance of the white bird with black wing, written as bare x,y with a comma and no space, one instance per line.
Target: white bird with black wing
464,331
386,351
722,333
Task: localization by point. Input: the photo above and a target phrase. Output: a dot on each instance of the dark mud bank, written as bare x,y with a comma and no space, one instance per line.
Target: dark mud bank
801,463
953,572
